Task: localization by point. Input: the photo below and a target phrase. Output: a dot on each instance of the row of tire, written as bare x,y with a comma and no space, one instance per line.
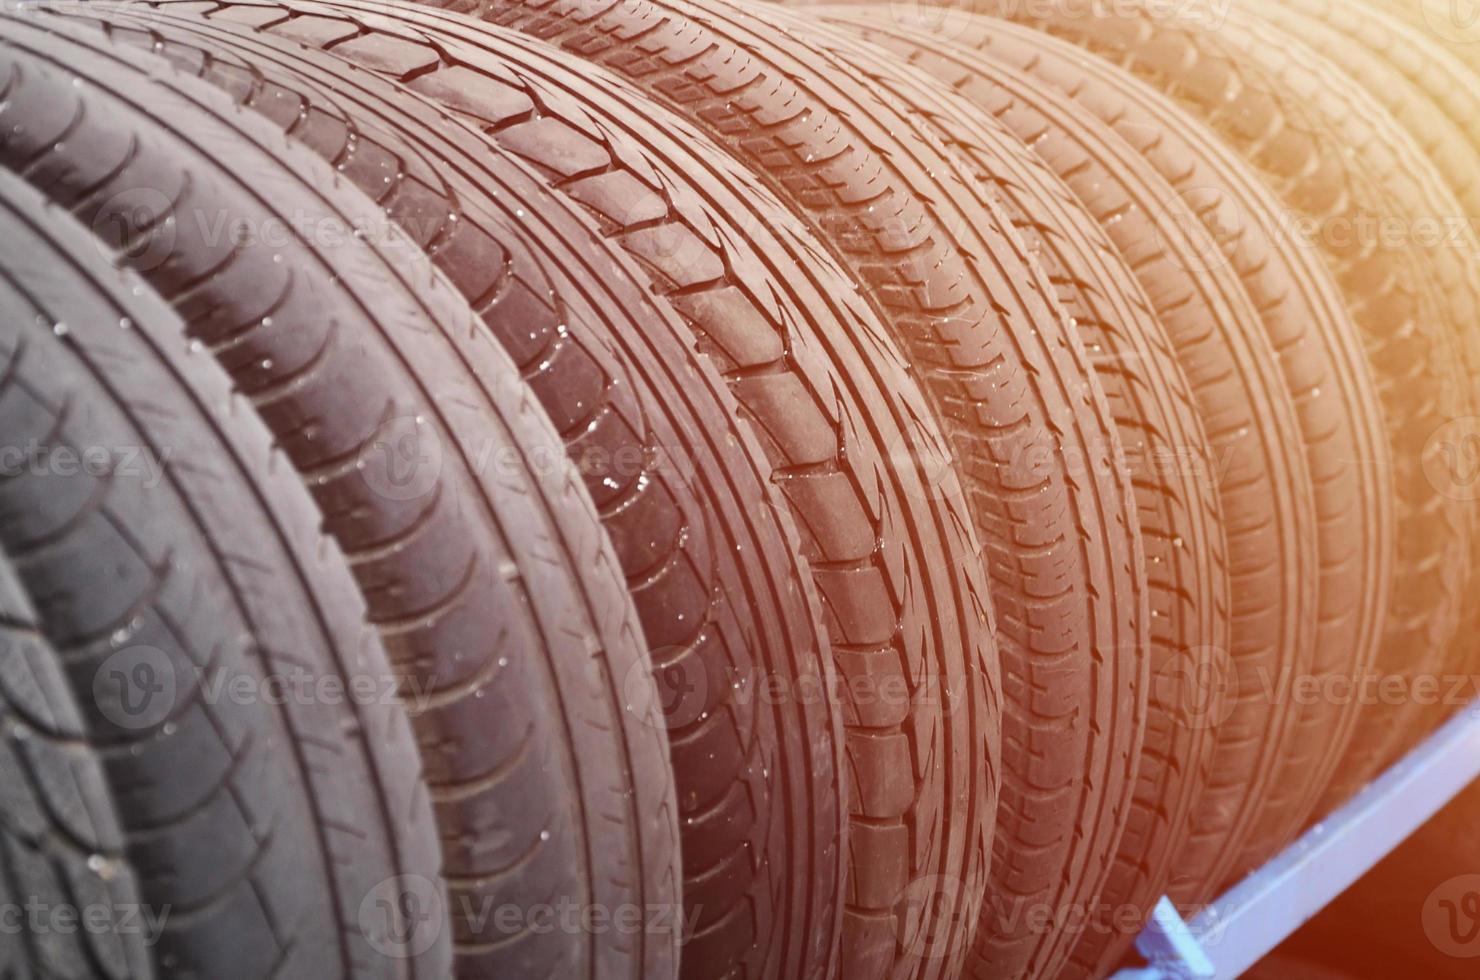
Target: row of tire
640,488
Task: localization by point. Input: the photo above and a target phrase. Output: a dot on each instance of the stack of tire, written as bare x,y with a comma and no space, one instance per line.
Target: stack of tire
644,489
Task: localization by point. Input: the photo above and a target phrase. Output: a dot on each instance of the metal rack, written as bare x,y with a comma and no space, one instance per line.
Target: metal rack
1255,916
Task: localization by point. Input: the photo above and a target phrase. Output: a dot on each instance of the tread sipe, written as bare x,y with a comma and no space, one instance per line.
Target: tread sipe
474,544
953,281
61,841
265,780
1339,162
683,486
1303,313
1437,102
1073,787
856,454
1259,463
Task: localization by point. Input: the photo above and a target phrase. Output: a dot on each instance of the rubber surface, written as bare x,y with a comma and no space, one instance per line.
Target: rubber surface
442,545
180,578
1180,510
1339,163
684,489
958,289
1259,465
1303,313
61,843
1449,24
851,474
1437,102
1427,93
1076,786
1074,731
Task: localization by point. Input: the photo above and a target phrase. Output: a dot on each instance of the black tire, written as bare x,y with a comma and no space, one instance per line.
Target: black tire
496,593
859,461
709,552
1058,851
1437,103
1259,462
61,841
898,826
182,581
1432,96
1074,724
1443,22
957,287
1337,159
1180,512
1304,314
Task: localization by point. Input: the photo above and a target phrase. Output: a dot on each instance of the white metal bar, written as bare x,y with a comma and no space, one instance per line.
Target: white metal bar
1250,920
